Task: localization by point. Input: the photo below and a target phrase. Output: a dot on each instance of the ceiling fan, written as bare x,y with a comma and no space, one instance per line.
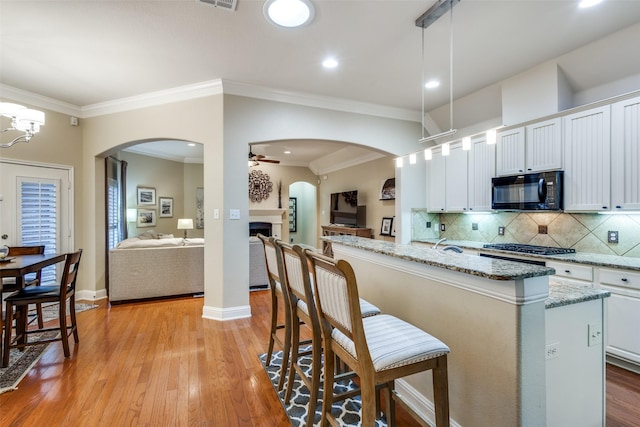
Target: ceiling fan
256,159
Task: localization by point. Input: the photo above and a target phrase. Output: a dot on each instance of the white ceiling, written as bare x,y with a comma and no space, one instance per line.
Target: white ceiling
86,53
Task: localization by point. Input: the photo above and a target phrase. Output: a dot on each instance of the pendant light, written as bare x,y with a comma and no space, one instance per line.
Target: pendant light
429,17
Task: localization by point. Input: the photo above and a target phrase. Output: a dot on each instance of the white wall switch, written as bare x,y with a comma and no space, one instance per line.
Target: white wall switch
216,214
551,351
234,213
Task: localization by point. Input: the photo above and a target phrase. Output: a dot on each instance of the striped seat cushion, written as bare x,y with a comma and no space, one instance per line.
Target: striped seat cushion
393,342
366,308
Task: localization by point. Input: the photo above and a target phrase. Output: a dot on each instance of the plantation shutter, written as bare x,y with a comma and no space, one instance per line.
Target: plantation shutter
39,220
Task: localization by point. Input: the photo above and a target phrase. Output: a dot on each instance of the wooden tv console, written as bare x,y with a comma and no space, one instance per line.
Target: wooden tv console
336,230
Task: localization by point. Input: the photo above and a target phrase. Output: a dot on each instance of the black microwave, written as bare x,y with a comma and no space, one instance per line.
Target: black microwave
540,191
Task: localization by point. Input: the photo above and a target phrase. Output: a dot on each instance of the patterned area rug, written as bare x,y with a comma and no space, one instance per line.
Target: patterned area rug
20,362
348,411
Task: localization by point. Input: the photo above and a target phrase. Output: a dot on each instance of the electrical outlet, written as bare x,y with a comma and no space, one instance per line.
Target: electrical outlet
428,224
500,231
595,334
542,229
612,237
443,227
551,351
474,225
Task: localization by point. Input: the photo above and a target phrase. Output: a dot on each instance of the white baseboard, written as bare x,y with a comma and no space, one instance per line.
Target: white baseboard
91,295
420,404
231,313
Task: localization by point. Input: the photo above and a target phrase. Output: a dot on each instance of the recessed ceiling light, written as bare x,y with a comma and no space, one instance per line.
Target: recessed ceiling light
588,3
191,144
288,13
287,152
432,84
330,63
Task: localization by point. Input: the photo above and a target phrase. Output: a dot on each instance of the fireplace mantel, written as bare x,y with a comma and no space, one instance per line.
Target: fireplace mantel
274,216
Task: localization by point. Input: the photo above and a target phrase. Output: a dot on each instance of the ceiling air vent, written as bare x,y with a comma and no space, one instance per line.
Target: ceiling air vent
224,4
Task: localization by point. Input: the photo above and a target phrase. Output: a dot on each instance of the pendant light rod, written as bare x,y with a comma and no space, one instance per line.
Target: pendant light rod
429,17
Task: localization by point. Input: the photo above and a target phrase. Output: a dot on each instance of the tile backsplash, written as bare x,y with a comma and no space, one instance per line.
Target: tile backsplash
582,232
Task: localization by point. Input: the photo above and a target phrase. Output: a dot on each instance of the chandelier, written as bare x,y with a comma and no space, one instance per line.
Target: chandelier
23,120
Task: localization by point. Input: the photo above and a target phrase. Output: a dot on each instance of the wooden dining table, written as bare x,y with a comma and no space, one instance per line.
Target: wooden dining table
20,265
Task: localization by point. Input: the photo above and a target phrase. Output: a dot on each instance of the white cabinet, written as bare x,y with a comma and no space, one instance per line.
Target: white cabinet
482,167
510,152
447,181
456,180
436,182
543,145
579,274
625,154
623,331
532,148
587,169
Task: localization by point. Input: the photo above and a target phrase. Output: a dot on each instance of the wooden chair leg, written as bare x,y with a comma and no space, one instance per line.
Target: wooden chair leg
441,392
72,313
316,363
274,324
63,328
390,406
7,335
295,350
39,313
368,396
327,394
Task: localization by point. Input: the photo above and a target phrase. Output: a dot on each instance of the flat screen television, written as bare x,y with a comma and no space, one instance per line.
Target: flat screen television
345,210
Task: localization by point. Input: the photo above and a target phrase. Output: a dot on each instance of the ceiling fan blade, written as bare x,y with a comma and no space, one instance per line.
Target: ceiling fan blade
270,161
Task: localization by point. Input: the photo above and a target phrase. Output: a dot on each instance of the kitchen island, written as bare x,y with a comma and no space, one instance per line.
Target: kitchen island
493,314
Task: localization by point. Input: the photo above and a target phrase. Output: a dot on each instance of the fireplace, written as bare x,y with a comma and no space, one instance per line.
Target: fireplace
260,227
272,217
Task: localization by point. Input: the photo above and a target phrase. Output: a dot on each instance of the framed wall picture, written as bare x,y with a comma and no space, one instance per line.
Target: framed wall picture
387,226
388,190
146,218
146,196
199,208
293,214
166,207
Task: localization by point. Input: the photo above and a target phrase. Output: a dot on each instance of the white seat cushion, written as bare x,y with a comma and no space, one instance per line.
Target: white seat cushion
393,342
366,308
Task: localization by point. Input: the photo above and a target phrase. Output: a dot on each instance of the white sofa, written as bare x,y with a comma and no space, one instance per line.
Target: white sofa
257,265
142,268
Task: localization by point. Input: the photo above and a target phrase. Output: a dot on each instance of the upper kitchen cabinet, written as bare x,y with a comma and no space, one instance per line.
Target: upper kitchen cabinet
482,167
532,148
587,172
625,155
447,181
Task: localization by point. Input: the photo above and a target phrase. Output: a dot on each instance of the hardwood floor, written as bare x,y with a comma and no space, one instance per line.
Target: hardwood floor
159,364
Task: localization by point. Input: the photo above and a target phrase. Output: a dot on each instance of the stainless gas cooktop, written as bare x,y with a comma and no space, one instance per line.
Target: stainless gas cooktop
529,249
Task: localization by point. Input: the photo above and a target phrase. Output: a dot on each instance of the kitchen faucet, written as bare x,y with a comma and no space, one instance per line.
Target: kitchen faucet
438,242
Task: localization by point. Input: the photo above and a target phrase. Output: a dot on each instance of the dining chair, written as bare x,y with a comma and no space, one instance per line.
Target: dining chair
297,280
63,294
9,283
379,349
279,298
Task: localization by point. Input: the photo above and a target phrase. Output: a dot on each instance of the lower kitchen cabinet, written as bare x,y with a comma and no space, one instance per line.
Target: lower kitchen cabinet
623,326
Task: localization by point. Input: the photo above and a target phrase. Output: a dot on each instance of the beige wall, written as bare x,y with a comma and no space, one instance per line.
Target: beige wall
58,143
170,179
367,178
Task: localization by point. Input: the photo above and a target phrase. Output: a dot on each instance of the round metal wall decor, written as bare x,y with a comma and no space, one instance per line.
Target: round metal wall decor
260,186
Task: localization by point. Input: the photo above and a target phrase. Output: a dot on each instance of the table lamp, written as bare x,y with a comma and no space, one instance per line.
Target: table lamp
185,224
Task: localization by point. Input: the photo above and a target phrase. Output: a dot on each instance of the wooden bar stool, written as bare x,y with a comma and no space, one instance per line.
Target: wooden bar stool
379,349
280,294
297,280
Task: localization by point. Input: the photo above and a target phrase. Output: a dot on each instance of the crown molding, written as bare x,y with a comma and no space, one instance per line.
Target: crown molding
39,101
346,164
310,100
203,89
151,99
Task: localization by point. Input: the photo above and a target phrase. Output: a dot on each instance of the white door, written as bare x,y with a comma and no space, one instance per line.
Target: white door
35,207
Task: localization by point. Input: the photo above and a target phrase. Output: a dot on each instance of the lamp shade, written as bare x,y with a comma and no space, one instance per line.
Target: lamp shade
131,215
185,224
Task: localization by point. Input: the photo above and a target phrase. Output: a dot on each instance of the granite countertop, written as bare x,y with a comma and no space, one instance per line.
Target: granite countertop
478,266
562,292
599,260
